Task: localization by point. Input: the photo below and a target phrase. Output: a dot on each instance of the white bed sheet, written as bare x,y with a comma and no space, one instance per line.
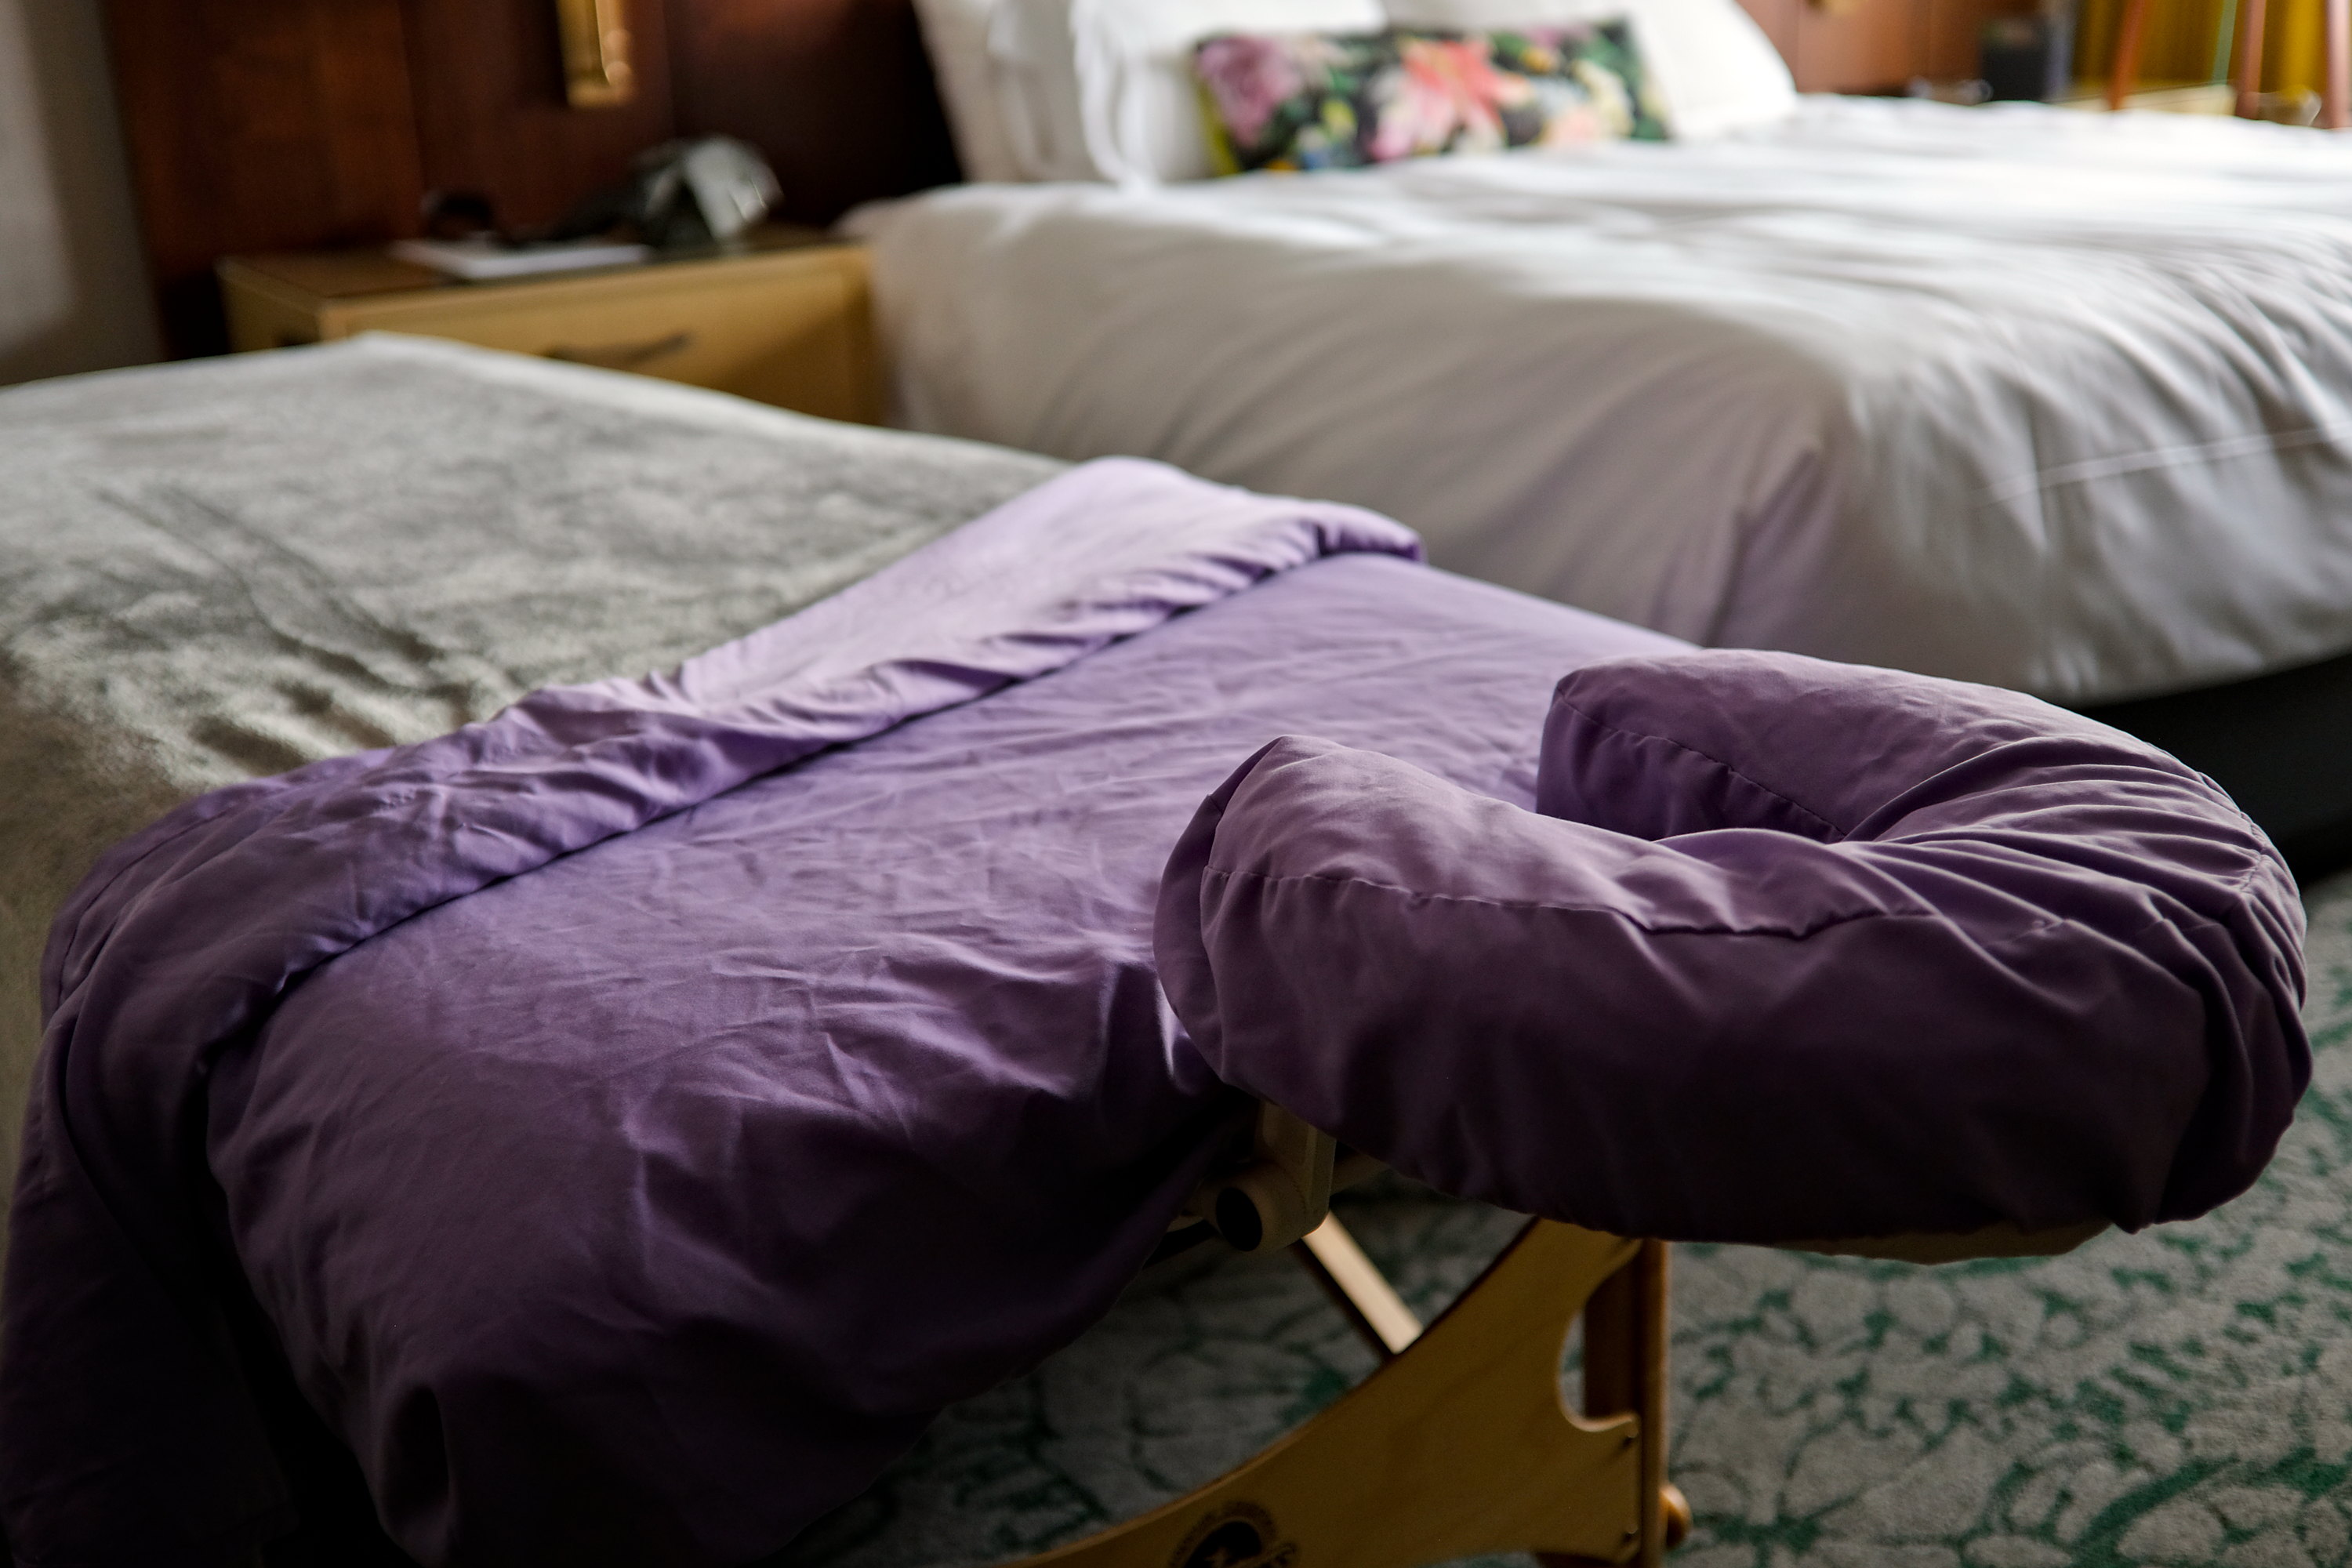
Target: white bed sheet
2048,400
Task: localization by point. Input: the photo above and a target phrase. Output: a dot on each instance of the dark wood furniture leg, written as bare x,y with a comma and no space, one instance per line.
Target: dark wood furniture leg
2336,102
2123,69
2250,59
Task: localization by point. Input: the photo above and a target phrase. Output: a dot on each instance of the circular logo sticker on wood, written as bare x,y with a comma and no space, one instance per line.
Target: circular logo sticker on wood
1237,1535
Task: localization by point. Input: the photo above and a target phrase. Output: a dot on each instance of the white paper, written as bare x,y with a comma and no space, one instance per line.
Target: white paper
476,259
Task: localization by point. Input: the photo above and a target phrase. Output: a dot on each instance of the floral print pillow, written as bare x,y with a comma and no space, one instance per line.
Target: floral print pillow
1302,101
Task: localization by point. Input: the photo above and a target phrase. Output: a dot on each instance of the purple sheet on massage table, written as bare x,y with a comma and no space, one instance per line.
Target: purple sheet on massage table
638,1208
632,1138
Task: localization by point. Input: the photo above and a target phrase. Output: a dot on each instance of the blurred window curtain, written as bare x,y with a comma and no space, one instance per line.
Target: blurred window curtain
2181,35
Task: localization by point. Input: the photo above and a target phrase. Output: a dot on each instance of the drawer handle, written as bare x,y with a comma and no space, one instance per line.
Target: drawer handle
626,356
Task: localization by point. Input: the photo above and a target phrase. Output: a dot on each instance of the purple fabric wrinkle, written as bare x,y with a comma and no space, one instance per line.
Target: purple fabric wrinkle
1785,949
127,1430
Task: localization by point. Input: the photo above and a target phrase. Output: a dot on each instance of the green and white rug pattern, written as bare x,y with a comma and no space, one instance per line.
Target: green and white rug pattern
2183,1396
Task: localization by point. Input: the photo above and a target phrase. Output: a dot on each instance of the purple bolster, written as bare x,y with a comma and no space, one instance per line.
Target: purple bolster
1790,949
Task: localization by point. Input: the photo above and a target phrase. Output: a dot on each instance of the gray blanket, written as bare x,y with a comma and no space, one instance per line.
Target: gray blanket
228,568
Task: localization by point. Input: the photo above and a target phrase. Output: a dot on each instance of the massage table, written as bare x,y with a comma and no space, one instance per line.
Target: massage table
623,1121
230,569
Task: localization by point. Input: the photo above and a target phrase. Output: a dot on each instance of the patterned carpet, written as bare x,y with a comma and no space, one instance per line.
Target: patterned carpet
2183,1396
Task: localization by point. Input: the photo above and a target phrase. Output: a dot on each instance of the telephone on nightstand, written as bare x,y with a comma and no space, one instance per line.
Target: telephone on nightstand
695,193
681,195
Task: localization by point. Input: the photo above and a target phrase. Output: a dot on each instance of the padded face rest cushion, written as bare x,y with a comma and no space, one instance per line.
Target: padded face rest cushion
1790,949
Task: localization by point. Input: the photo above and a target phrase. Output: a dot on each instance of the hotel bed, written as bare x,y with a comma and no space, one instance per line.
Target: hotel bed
2052,401
620,1122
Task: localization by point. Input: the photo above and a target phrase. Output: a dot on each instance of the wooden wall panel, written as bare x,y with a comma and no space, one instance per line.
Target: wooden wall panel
837,93
283,124
1950,49
1779,20
1877,45
490,108
1959,22
260,124
369,150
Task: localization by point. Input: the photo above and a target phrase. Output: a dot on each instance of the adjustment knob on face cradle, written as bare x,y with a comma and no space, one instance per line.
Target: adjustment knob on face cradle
1260,1209
1678,1514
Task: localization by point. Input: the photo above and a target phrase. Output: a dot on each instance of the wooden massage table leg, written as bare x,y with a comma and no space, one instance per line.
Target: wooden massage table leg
1626,1332
1460,1444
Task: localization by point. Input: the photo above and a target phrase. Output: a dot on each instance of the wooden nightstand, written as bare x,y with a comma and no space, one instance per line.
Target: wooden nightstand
784,320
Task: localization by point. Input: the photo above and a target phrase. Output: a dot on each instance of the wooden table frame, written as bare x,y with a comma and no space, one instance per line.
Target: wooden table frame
1461,1442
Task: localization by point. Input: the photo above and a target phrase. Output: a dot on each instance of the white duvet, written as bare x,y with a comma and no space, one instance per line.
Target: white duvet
2055,401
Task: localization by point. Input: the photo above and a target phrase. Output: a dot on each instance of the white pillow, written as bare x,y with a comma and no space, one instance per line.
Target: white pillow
1710,62
1102,89
955,35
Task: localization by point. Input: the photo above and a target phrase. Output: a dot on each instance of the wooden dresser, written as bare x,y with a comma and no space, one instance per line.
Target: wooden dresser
784,320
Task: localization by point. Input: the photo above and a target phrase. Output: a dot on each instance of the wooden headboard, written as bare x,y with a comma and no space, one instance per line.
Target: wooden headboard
284,124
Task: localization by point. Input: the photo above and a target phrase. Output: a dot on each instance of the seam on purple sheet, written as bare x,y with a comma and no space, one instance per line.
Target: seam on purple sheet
1693,751
96,895
1791,935
2256,866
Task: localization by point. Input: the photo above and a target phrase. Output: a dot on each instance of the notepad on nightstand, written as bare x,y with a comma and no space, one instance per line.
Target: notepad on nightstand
478,259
